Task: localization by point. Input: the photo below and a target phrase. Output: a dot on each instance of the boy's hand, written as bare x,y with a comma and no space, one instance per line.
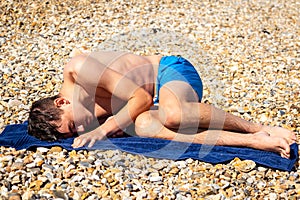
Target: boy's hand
90,137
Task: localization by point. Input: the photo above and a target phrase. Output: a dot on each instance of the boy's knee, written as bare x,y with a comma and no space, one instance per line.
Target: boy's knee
170,116
142,123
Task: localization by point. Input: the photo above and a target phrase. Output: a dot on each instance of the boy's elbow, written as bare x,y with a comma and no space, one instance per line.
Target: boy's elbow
143,99
74,66
148,101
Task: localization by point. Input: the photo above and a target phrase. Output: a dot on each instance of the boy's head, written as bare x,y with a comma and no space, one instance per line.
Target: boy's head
44,119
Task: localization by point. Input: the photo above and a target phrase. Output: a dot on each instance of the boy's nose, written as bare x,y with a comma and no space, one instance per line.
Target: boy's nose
80,128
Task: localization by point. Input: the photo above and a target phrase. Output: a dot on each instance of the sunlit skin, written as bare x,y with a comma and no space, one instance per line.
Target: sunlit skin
66,125
133,91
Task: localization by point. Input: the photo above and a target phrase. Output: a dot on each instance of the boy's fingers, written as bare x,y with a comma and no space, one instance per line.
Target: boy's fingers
285,155
82,142
92,142
78,142
75,142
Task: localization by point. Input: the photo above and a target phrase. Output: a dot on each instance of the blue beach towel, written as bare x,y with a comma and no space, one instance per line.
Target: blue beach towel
16,136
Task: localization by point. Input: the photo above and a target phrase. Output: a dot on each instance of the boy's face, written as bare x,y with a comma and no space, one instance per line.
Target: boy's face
67,126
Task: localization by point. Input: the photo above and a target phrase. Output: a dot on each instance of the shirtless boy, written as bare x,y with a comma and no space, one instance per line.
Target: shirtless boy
105,92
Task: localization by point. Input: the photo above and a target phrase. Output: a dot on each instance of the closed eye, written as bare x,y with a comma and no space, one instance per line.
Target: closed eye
71,127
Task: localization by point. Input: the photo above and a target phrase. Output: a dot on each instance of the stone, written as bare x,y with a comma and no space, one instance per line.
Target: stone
56,149
246,52
14,196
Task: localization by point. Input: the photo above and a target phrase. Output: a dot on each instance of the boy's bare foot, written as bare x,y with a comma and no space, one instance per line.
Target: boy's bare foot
280,132
264,141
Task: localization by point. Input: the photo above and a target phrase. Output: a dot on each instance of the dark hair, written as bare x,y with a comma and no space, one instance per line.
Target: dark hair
42,117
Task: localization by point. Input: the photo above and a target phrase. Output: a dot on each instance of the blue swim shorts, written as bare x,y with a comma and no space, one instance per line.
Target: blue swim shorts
176,68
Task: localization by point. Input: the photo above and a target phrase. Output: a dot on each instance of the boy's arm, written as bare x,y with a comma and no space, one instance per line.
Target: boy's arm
90,74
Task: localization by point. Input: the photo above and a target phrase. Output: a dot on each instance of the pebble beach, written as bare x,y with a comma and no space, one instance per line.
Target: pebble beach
246,51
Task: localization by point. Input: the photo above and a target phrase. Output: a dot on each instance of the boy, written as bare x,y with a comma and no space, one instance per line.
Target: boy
105,92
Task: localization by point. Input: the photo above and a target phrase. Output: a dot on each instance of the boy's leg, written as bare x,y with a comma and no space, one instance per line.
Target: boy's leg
179,108
148,125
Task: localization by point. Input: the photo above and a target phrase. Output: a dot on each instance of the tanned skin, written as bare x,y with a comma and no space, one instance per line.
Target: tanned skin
121,94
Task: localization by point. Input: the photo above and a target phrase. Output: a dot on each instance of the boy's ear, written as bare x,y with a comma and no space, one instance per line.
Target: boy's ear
61,101
76,52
